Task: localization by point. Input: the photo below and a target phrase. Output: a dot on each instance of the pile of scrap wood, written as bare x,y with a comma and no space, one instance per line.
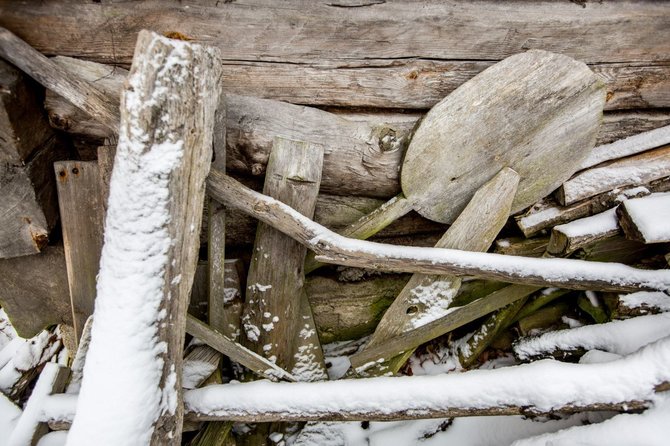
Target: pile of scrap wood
504,164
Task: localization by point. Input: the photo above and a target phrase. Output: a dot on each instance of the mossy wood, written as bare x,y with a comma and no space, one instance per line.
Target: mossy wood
428,297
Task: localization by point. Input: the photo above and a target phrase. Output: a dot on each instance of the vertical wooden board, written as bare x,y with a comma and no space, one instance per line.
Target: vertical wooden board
225,306
82,223
275,280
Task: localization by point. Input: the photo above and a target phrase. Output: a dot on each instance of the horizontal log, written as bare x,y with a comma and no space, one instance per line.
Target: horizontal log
524,389
333,248
633,170
578,233
305,32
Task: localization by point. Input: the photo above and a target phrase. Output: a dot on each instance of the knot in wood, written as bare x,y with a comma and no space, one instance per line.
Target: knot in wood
261,207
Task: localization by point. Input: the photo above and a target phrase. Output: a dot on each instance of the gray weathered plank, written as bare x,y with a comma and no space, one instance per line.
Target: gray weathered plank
272,317
226,303
81,213
172,94
302,32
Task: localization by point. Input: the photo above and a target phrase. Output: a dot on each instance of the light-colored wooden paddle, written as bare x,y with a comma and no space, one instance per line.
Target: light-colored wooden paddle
548,129
534,111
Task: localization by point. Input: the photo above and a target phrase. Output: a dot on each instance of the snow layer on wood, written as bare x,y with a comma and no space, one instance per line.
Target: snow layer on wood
620,337
545,385
650,299
651,215
628,146
22,355
649,428
596,224
121,393
9,416
55,438
7,332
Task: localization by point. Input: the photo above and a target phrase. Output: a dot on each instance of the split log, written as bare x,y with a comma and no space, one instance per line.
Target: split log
569,237
520,246
23,127
35,291
199,364
628,146
426,298
30,428
153,222
543,319
623,306
82,217
548,213
646,219
55,78
236,352
447,395
637,169
272,316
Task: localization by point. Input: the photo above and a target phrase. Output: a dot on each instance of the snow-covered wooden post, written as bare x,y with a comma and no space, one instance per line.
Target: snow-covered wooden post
131,389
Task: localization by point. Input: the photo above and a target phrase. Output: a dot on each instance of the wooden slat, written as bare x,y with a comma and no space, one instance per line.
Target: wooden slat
303,32
82,223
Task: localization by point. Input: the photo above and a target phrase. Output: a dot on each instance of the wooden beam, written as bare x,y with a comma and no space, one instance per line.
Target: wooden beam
82,216
569,237
350,36
151,249
333,248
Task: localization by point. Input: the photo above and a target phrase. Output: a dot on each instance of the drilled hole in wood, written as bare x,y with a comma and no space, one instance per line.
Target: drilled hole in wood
62,174
75,170
412,310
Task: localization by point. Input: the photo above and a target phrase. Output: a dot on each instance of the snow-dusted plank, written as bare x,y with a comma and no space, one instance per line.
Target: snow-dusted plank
427,298
633,170
31,426
628,146
542,386
151,246
569,237
646,219
619,337
333,248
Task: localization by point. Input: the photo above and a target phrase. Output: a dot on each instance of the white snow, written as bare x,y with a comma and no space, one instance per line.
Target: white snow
628,146
195,372
433,300
545,385
651,215
121,394
21,355
648,299
9,416
620,337
603,223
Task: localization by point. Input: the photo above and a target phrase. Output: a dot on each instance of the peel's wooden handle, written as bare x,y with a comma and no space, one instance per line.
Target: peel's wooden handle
369,224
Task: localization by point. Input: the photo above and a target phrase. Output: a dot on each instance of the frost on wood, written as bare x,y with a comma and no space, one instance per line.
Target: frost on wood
130,390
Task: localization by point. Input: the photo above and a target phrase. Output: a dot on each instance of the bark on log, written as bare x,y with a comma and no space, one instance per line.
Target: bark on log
81,211
333,248
646,219
165,140
35,291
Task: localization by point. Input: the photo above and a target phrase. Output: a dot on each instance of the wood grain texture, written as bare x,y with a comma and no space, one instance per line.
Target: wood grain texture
336,249
302,32
428,297
23,124
529,111
82,216
77,91
636,169
29,205
35,291
227,302
272,316
569,237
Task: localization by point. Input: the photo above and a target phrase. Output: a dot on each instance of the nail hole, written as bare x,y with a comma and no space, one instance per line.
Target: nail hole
412,310
61,173
75,170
